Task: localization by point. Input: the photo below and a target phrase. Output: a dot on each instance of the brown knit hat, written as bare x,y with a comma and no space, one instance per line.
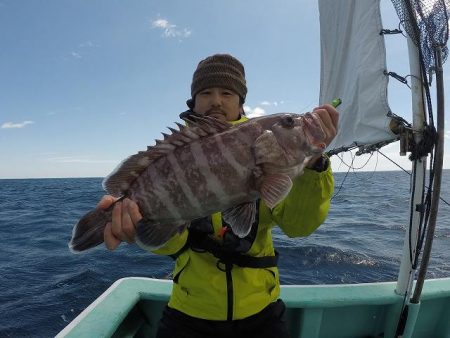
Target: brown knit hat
219,70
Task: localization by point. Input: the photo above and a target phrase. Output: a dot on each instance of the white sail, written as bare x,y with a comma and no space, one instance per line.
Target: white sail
353,61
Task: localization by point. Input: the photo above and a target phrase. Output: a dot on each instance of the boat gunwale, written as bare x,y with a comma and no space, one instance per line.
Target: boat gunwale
102,318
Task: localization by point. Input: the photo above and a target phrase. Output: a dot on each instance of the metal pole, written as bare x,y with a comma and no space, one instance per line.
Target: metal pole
406,274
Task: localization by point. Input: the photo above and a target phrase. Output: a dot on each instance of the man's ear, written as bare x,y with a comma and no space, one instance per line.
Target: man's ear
191,103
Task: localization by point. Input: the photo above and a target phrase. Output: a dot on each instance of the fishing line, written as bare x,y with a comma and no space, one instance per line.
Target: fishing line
305,107
362,167
343,180
399,28
386,157
351,167
411,212
406,171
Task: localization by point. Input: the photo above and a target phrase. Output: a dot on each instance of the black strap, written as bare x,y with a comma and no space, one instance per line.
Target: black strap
200,242
232,251
245,261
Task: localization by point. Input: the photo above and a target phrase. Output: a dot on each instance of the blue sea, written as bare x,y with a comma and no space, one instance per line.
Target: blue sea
43,286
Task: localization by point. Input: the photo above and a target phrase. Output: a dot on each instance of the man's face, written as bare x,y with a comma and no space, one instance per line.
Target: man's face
220,103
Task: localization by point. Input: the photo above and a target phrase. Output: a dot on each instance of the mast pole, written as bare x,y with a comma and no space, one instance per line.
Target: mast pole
407,271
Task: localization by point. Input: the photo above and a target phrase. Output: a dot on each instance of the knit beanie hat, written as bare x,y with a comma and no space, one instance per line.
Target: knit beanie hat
219,70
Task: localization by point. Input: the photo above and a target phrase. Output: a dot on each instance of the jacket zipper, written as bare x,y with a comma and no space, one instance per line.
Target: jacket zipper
230,304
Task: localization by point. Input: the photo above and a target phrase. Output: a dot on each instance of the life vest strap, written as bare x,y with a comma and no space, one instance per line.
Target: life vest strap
201,242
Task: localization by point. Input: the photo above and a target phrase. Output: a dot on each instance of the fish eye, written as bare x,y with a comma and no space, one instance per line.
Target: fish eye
287,122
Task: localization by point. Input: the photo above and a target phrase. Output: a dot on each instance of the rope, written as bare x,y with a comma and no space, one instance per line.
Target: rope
426,144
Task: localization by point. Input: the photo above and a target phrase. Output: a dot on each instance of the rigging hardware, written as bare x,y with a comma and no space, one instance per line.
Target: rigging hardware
390,31
396,76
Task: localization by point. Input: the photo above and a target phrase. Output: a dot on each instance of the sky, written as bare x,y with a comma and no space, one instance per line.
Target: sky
84,84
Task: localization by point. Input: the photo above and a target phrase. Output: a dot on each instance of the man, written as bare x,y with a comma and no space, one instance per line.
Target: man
225,285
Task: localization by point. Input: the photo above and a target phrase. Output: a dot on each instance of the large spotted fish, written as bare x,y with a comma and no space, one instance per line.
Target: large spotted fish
206,167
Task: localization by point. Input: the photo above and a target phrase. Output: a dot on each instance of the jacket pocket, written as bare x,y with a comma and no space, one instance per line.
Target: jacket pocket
271,280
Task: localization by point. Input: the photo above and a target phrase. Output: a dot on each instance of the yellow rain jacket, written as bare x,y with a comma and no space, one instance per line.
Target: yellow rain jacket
203,289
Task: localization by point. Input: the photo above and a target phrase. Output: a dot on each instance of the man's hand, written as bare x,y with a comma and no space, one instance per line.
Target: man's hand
328,118
125,216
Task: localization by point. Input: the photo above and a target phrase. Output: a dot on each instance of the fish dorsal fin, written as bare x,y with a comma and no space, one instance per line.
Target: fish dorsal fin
207,124
118,182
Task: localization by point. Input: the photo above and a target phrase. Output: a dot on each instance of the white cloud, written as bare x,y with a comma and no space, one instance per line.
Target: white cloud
271,103
86,44
81,50
170,30
11,125
254,112
76,55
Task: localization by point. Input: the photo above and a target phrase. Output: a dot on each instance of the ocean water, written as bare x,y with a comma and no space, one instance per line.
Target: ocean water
43,286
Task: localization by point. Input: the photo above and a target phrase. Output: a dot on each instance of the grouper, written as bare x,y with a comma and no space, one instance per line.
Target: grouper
203,167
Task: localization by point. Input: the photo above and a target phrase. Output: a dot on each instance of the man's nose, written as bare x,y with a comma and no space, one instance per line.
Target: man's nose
216,99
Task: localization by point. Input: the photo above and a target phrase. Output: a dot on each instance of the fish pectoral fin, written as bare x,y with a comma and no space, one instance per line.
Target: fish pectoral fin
151,236
240,218
274,188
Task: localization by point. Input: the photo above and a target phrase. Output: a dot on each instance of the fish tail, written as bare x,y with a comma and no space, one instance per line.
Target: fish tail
88,232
